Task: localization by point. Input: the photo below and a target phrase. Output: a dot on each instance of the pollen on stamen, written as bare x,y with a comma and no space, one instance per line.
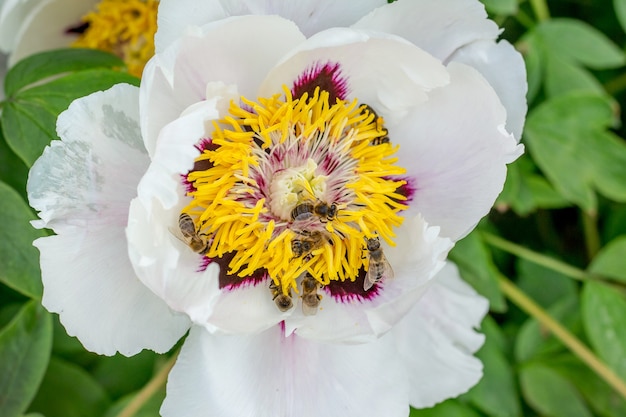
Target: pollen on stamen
125,28
294,186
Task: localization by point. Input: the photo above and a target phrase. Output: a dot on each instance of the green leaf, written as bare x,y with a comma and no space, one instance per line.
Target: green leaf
620,12
19,259
563,76
29,119
25,350
496,393
579,42
598,394
12,170
603,311
534,58
46,64
610,261
534,341
119,375
568,139
551,394
614,223
501,7
544,285
69,391
473,258
449,408
525,190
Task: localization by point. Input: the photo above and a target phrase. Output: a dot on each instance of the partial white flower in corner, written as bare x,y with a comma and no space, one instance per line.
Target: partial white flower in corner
123,27
286,186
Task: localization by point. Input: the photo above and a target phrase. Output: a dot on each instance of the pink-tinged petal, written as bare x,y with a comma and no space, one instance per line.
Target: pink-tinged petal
436,340
455,149
222,51
504,68
387,73
418,255
270,375
82,186
311,16
440,30
46,27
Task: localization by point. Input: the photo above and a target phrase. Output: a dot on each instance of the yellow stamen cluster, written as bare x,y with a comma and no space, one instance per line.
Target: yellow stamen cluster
230,208
123,27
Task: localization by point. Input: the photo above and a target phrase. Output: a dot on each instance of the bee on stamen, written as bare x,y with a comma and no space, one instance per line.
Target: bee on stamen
310,298
196,241
303,211
379,267
283,301
307,243
380,125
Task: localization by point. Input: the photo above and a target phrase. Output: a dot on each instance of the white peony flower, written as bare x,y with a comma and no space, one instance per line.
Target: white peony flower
123,27
242,192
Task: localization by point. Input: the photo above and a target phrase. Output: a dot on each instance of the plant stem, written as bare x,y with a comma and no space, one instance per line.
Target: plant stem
148,390
540,8
564,335
524,19
592,236
537,258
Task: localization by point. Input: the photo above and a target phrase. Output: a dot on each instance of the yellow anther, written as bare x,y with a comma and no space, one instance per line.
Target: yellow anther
240,198
125,28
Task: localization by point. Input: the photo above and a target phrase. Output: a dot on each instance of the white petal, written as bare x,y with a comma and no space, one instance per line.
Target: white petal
12,15
223,52
455,148
418,256
82,186
436,340
440,30
310,15
504,68
166,265
45,27
175,16
89,281
387,73
102,160
270,375
245,309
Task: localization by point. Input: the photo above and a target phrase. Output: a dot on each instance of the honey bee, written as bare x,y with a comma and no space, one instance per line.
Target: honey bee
321,209
192,238
309,241
379,267
283,301
310,298
379,125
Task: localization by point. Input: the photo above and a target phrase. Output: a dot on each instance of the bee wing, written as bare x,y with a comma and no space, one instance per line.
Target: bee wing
310,303
377,271
308,310
175,231
387,270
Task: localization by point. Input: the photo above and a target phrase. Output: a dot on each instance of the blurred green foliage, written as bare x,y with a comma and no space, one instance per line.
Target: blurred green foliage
564,199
